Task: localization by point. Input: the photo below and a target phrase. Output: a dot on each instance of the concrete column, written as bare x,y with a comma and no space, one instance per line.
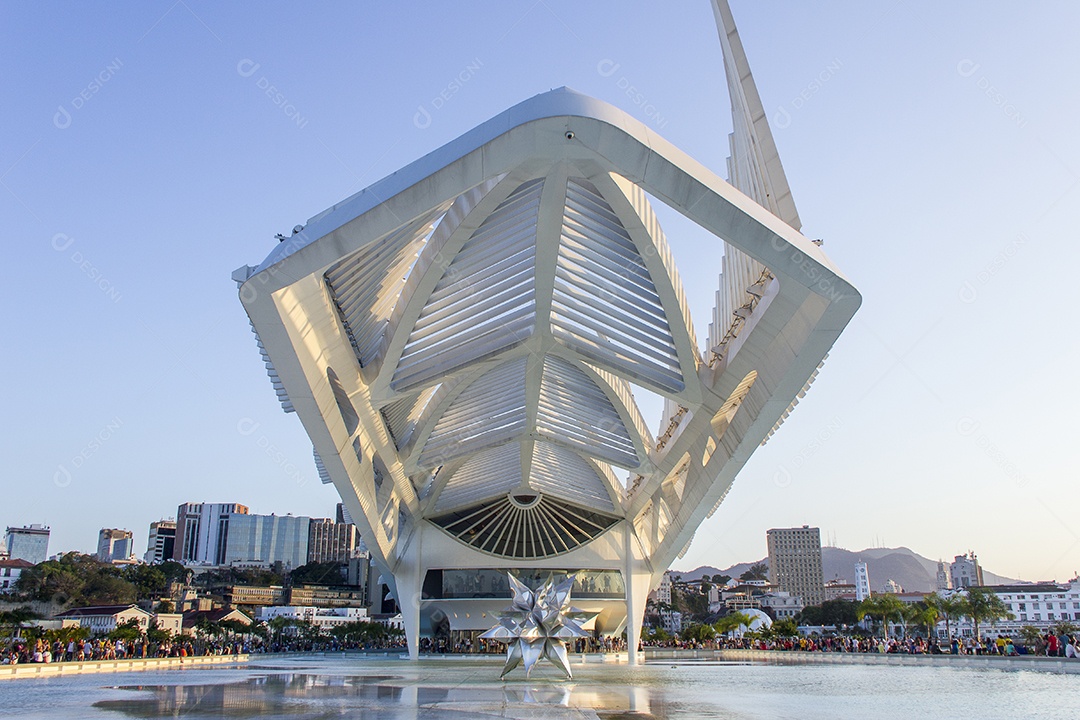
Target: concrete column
635,608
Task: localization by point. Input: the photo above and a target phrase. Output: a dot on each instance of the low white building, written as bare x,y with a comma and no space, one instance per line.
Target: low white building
102,619
10,571
323,618
782,604
1040,605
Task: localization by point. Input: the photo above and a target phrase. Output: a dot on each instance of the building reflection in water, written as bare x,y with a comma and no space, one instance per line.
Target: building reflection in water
300,695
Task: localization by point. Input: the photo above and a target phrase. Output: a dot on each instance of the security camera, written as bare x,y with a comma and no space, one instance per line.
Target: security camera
569,135
297,229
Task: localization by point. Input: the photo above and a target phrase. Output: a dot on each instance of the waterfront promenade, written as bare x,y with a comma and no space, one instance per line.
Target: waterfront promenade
796,657
84,667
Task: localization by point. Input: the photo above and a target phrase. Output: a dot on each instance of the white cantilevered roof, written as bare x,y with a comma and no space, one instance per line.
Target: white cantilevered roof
459,339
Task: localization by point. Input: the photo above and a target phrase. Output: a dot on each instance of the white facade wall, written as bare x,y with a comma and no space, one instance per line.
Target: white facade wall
1040,606
322,618
862,582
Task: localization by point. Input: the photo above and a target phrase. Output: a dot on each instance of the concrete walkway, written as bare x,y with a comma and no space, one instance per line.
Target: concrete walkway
780,657
64,669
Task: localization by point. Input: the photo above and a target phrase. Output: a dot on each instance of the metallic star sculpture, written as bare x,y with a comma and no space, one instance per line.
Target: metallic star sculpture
538,624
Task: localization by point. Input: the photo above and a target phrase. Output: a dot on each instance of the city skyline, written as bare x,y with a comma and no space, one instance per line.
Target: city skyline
937,163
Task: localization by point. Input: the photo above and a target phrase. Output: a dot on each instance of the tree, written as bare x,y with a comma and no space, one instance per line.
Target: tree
721,580
698,633
78,580
732,622
1064,627
12,620
786,627
129,631
156,634
983,606
887,607
656,635
838,612
952,608
315,573
926,614
757,571
1031,636
148,580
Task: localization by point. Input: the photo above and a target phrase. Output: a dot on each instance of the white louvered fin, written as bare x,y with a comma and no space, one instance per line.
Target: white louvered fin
366,285
402,415
485,301
574,410
605,305
490,411
485,475
324,476
562,473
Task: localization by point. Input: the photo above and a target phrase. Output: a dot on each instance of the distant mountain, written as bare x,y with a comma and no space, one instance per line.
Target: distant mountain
912,571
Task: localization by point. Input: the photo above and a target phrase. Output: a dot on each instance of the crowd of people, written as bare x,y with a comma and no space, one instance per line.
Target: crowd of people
40,651
1065,646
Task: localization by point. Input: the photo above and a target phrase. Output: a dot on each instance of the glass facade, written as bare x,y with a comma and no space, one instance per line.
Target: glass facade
493,583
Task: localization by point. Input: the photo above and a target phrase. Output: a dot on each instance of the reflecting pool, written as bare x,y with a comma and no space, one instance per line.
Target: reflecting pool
302,687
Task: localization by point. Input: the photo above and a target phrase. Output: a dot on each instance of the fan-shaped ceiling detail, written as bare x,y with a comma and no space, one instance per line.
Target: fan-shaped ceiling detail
485,300
526,525
605,304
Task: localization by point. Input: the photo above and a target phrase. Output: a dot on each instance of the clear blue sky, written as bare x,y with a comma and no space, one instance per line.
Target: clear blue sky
933,146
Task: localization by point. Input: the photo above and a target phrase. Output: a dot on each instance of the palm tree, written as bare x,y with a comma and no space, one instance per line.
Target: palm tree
927,613
983,606
881,606
732,622
953,609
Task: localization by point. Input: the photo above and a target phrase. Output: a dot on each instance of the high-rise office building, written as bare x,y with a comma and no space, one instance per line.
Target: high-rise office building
267,540
114,545
202,532
795,562
162,541
330,541
30,543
